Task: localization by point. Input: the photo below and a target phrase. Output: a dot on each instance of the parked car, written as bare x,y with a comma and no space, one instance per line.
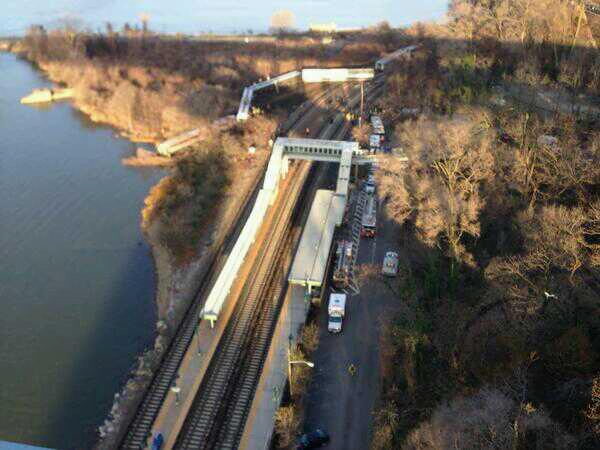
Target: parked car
158,441
314,439
390,264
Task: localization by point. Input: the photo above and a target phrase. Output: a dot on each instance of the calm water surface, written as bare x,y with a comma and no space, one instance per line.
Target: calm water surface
76,279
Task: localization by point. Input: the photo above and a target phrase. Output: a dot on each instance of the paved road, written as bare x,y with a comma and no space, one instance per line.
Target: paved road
337,402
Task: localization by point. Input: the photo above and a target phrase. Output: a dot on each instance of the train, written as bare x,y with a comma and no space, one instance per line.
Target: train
384,62
316,75
336,75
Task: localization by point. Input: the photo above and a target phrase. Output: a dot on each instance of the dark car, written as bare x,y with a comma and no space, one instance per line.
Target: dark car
158,441
314,439
506,138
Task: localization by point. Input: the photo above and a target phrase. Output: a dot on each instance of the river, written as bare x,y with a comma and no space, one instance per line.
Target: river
76,278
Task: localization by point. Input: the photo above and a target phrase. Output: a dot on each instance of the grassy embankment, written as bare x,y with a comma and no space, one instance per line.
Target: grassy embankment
499,341
181,206
153,87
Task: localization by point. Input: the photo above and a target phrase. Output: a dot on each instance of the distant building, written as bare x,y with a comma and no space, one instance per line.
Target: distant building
349,29
323,27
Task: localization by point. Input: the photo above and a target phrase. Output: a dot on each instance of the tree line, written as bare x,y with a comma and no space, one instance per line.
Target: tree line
497,343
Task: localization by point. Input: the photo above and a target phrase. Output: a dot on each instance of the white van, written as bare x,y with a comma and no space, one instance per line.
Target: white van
390,264
369,185
336,310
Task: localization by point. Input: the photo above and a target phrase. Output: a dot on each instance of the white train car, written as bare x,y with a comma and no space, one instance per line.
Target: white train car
279,79
273,173
220,291
361,74
246,101
381,64
170,146
336,75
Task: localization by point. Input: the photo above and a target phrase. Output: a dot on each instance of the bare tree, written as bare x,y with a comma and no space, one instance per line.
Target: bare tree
490,419
556,236
287,423
447,161
361,133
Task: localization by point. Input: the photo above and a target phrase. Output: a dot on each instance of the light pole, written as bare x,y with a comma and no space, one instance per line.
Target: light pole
290,362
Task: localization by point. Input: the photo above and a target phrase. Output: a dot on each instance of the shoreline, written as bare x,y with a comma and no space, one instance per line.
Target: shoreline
177,280
176,284
94,116
168,276
145,337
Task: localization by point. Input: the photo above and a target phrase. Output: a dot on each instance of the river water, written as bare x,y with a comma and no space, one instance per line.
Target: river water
76,278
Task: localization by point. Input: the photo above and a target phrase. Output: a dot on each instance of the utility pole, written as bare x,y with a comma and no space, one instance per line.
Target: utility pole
290,362
362,101
290,366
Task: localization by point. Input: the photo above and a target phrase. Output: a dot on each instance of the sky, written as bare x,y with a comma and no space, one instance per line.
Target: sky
218,16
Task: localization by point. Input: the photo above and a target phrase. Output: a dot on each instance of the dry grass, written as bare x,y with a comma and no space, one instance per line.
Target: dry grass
503,251
184,201
310,337
134,81
287,424
386,420
182,205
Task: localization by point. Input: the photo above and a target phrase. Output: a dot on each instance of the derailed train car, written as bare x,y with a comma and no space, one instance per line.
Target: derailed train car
336,75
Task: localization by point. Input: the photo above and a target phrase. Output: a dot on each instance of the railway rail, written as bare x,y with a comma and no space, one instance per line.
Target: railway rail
219,411
240,351
139,430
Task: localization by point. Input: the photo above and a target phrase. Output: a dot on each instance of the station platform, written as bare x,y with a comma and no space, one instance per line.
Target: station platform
5,445
258,432
310,261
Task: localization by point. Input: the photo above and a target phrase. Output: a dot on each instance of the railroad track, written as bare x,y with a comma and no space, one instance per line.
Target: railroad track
239,351
218,414
243,394
139,430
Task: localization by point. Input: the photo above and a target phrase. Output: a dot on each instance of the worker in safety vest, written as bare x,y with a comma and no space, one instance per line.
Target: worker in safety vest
351,369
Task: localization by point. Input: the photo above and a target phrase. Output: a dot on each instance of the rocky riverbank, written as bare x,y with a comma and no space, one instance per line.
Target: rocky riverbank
113,95
123,98
177,285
